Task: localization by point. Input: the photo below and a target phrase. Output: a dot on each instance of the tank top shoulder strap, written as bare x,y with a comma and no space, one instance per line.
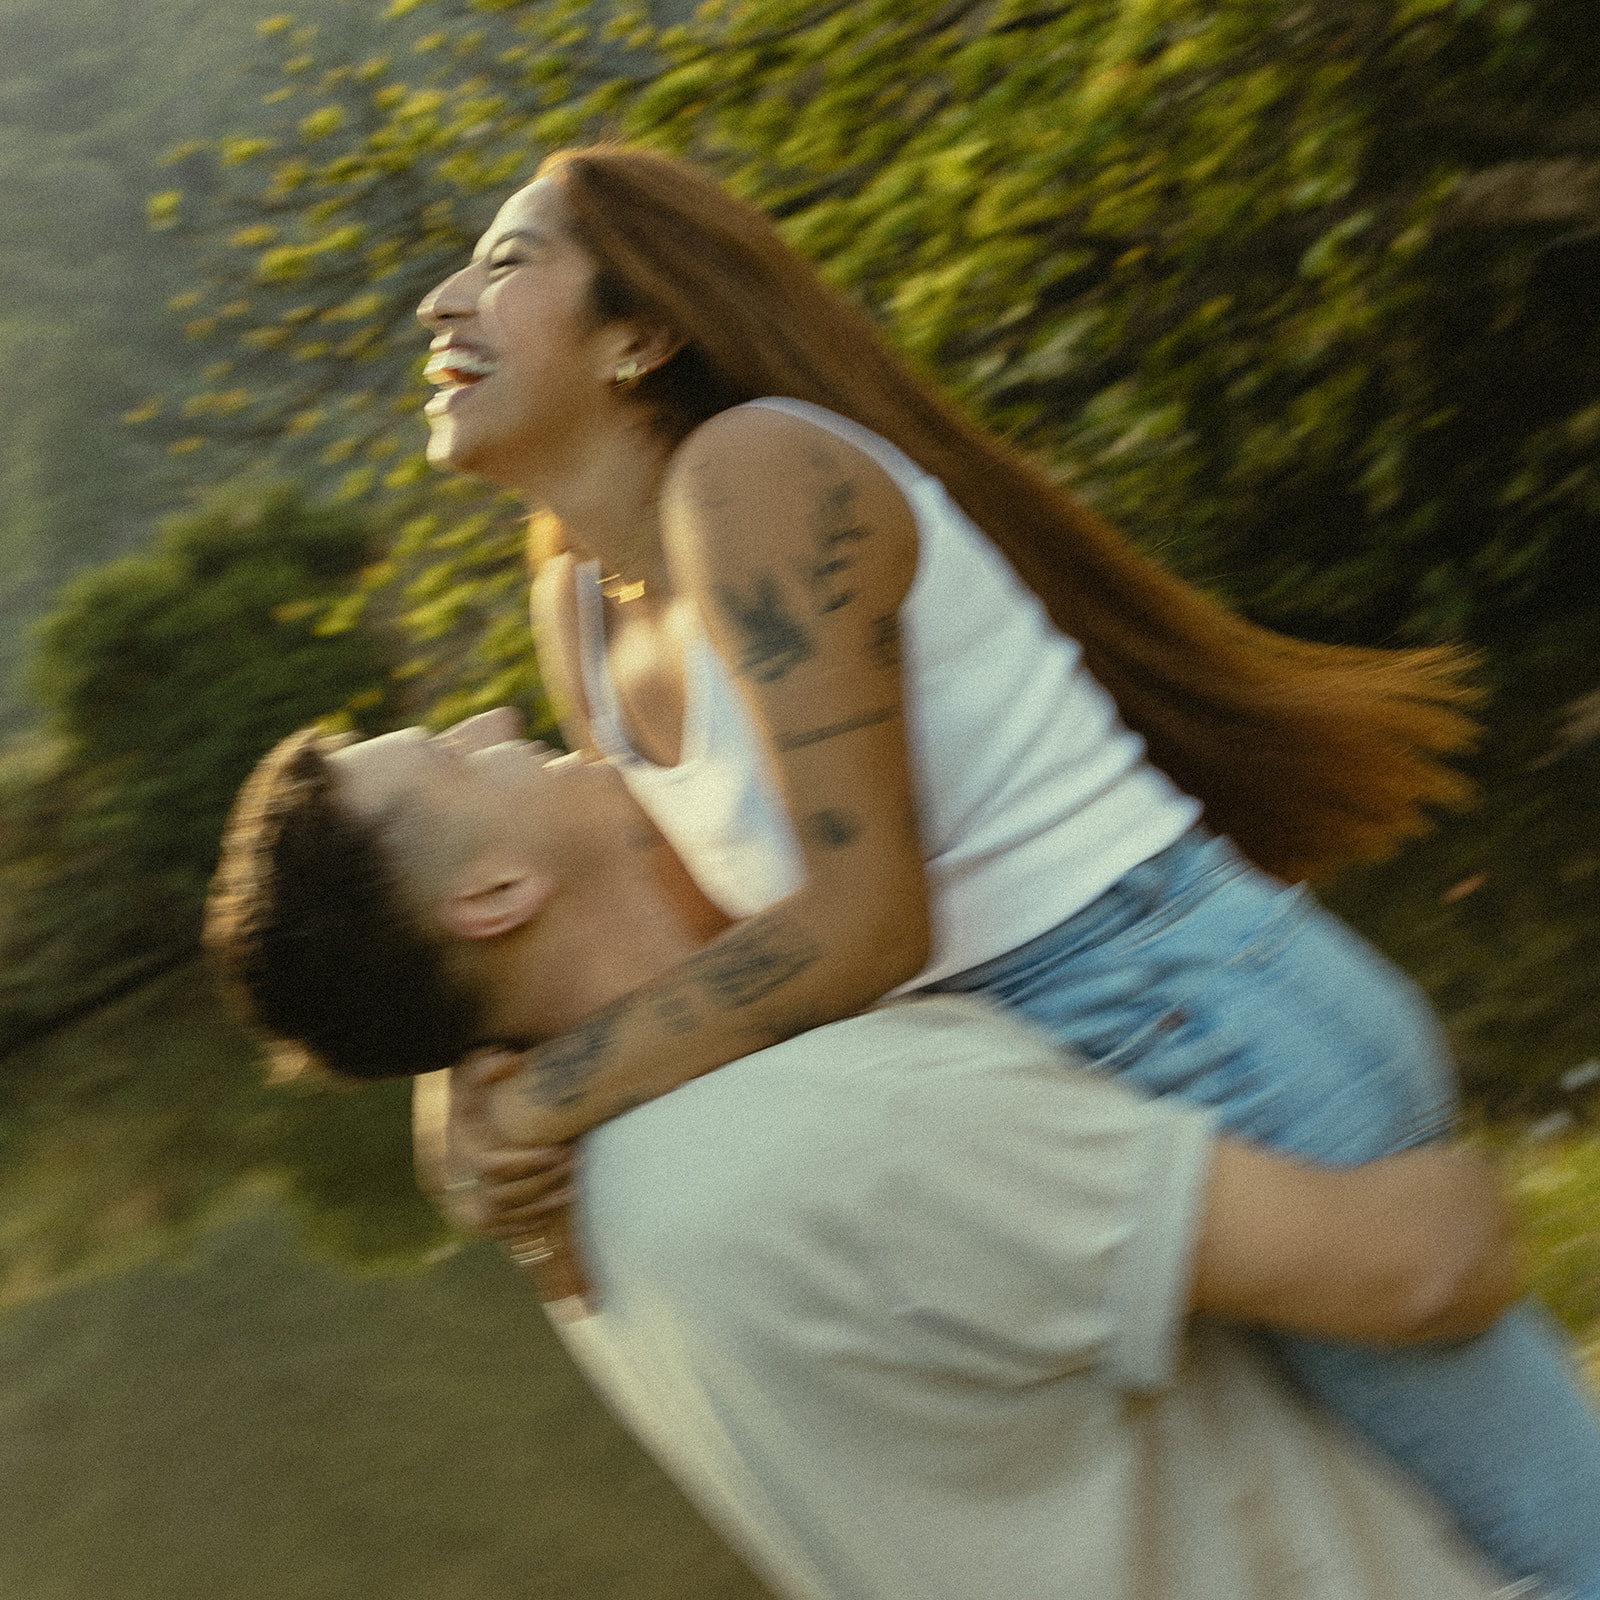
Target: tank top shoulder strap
605,714
905,472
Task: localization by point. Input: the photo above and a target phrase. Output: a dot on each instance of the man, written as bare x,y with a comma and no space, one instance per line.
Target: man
899,1301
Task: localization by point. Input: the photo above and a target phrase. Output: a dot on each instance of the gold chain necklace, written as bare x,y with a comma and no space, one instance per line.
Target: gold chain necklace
614,586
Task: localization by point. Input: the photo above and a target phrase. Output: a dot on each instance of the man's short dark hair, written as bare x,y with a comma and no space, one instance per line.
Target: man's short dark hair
314,932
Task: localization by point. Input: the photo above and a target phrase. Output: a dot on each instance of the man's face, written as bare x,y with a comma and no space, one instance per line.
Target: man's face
477,782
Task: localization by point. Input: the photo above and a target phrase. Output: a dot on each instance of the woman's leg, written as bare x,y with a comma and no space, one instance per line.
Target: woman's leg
1495,1426
1201,977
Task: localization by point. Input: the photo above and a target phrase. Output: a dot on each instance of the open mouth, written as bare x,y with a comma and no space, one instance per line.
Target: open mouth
457,368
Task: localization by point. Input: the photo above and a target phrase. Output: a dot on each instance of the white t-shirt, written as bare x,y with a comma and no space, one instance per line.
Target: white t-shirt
1032,795
900,1305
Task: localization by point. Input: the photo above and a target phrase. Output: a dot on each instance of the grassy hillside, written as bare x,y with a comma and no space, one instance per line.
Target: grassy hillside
209,1390
257,1427
204,1412
128,1135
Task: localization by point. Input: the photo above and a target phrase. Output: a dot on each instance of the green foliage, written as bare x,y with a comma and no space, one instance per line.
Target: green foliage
131,1132
1211,258
1556,1190
1497,914
166,676
131,1115
1304,296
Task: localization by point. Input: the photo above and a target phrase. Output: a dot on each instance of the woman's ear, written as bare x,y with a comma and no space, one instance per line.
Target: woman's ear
646,348
498,903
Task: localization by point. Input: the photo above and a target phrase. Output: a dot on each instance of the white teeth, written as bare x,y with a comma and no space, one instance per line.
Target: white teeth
446,362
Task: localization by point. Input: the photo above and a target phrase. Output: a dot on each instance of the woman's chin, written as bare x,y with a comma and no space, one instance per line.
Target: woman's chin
450,446
442,448
454,449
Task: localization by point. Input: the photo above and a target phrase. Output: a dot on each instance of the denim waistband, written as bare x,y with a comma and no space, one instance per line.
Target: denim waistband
1166,883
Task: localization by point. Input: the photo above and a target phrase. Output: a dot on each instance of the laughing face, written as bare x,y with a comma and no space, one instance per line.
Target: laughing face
521,365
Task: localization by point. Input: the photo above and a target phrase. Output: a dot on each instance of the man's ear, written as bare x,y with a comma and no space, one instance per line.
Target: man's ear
495,903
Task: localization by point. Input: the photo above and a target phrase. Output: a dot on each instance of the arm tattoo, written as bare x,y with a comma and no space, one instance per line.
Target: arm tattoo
751,962
777,1029
560,1071
676,1013
833,830
883,646
832,730
837,528
774,643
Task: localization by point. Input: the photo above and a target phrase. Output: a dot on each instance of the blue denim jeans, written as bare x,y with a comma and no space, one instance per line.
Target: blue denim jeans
1200,976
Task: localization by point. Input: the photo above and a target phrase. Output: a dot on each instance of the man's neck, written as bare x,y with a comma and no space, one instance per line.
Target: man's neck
603,934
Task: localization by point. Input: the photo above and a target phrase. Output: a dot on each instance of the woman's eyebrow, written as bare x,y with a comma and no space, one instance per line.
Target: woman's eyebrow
526,235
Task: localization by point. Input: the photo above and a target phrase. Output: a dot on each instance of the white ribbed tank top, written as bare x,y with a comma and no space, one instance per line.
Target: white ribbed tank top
1032,796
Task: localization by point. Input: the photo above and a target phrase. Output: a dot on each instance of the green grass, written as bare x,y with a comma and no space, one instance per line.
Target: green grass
257,1426
1556,1191
129,1134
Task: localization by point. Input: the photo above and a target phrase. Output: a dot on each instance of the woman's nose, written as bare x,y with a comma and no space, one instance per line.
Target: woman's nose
445,300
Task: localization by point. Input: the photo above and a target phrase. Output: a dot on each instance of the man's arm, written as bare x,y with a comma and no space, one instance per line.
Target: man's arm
1411,1248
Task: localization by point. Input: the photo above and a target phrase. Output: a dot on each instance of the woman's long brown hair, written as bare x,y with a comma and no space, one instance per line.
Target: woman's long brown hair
1309,755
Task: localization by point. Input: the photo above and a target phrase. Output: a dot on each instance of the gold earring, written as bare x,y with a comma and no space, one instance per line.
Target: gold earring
628,374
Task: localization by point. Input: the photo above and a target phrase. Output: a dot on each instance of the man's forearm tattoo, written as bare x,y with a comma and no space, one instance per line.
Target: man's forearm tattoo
832,730
774,642
751,962
560,1072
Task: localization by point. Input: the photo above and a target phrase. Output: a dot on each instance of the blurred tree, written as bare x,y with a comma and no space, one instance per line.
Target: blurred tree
133,1112
129,1132
1304,295
166,675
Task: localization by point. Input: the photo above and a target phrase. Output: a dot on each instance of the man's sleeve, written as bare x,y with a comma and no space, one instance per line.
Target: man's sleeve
1034,1218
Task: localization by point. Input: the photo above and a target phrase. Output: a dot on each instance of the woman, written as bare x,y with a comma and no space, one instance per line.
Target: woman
749,508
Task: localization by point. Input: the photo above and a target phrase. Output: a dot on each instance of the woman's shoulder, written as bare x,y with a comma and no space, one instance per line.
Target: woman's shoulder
752,471
778,439
777,427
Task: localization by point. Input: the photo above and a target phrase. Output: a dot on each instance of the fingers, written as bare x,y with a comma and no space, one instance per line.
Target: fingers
531,1198
502,1216
484,1067
504,1193
512,1166
520,1189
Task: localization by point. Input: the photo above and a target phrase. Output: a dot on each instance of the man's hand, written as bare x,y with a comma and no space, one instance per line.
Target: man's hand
523,1198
